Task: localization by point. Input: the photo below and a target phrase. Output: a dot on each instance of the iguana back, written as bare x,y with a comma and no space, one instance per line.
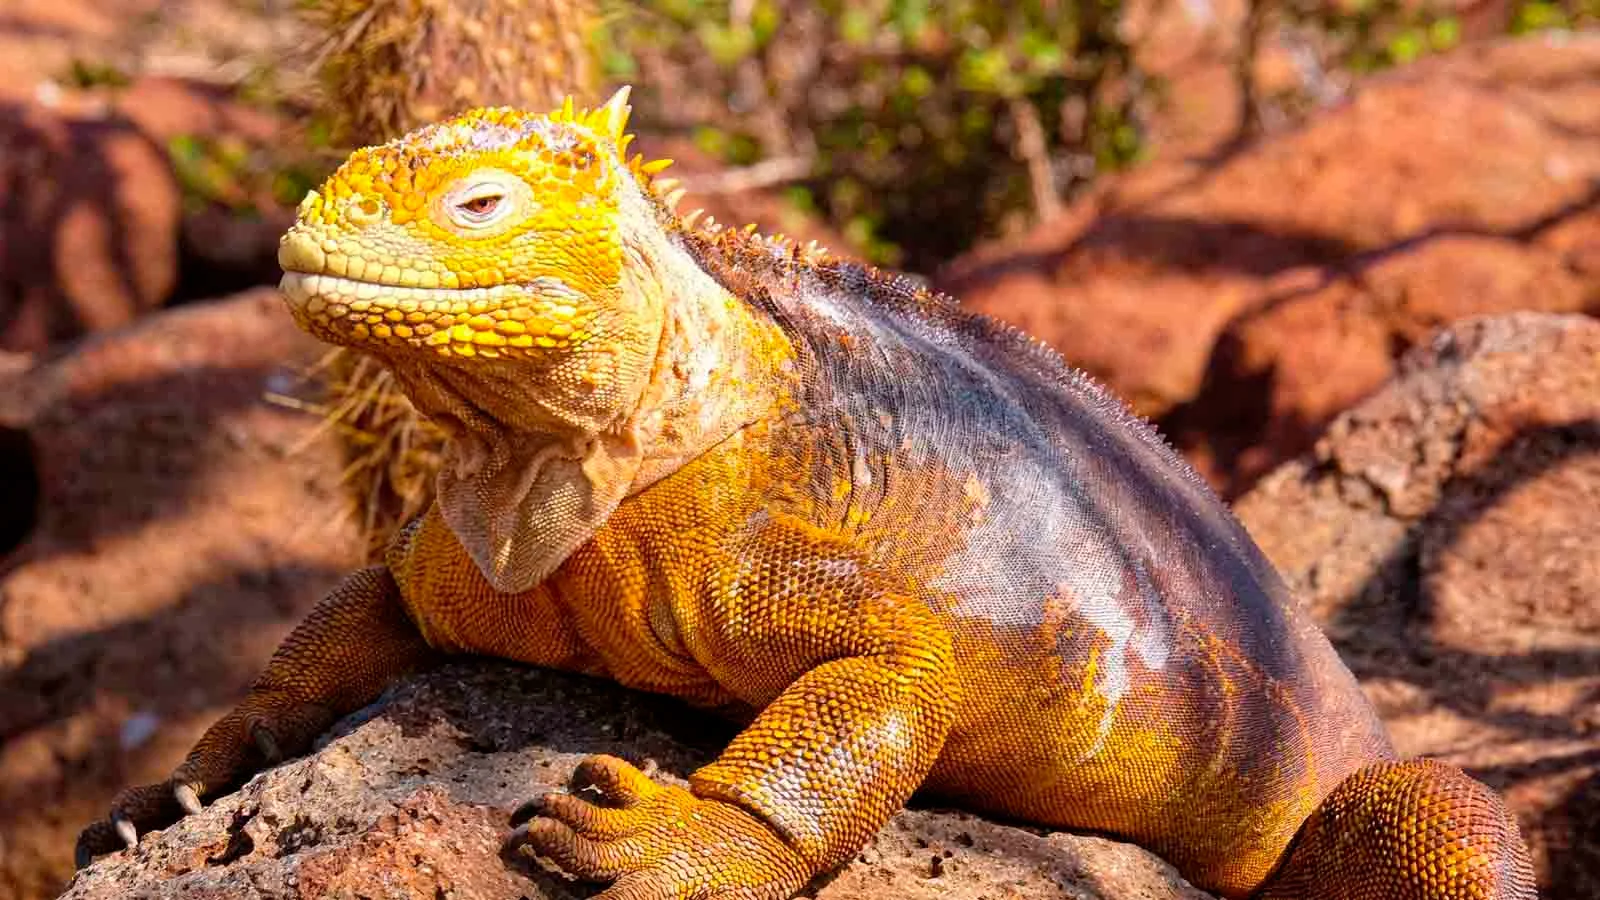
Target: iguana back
1126,650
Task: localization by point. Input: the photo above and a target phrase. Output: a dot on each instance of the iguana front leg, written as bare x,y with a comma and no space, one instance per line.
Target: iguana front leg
855,677
356,641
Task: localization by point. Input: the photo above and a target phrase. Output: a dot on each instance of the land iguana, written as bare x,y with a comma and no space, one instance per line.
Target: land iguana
905,545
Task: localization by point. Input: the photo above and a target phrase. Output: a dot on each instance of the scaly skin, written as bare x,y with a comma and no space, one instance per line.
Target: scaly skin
908,545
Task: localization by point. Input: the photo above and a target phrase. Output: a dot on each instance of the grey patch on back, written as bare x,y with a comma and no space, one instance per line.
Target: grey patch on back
1086,498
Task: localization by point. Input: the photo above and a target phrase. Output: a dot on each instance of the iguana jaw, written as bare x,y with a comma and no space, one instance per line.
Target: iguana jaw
502,321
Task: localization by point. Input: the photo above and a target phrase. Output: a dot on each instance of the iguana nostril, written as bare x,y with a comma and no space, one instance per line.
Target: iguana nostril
362,210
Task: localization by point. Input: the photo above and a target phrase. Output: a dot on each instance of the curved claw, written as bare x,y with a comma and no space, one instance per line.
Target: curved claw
517,843
526,811
100,837
126,831
267,744
187,798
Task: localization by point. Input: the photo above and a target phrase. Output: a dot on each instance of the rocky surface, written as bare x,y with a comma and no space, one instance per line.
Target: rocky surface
163,526
1444,532
1247,297
409,799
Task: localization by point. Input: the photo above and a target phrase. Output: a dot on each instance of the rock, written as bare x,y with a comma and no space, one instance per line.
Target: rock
89,232
1444,533
102,222
1246,298
137,159
410,798
163,526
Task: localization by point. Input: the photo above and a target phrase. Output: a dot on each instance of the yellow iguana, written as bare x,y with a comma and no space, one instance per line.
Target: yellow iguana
907,545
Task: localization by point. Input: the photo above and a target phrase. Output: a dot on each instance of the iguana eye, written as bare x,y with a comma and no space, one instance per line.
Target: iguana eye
484,202
482,206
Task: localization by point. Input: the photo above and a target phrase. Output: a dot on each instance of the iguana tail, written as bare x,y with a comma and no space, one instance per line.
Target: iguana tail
1413,830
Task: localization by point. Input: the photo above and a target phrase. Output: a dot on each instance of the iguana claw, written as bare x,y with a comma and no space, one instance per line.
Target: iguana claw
187,798
126,831
523,813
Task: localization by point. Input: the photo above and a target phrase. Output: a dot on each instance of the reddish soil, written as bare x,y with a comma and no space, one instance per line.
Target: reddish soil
179,525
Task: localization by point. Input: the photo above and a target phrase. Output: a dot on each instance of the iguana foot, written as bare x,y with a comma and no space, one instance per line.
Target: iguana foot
1418,829
253,736
657,842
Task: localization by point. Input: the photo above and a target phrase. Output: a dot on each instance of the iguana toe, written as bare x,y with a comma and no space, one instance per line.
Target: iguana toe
135,811
656,840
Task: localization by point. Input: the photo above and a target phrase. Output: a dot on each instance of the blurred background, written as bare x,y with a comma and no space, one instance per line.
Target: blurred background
1346,256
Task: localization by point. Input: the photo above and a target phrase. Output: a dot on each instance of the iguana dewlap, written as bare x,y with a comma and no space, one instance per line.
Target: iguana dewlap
909,545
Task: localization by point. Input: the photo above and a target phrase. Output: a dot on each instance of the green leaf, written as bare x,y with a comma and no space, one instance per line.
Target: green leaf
1444,33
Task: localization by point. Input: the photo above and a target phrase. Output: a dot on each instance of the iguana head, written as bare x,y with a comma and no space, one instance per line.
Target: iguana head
491,242
527,284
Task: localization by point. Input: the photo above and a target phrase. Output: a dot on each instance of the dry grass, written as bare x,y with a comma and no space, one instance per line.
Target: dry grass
387,66
391,452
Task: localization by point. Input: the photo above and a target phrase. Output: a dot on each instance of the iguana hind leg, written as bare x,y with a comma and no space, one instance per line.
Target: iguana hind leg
1413,830
340,658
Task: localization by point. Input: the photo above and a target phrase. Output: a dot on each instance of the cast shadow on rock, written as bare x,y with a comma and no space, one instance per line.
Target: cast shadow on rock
1385,632
90,226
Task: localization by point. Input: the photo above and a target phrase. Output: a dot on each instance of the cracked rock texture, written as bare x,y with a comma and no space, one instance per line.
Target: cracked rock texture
410,798
1444,533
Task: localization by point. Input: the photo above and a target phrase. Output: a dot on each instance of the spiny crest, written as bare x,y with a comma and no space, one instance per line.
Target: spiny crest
405,169
557,147
610,121
749,239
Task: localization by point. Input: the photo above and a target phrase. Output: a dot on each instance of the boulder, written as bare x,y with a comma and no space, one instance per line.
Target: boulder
1444,532
1246,297
89,232
410,799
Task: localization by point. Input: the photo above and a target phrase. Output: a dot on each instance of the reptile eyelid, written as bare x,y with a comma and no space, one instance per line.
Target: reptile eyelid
493,201
461,209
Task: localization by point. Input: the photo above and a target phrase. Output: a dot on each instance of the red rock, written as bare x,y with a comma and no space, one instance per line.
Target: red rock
412,797
1443,532
88,237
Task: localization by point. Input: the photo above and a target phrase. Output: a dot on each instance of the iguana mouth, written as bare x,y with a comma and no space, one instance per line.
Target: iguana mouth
317,291
476,321
486,321
302,252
